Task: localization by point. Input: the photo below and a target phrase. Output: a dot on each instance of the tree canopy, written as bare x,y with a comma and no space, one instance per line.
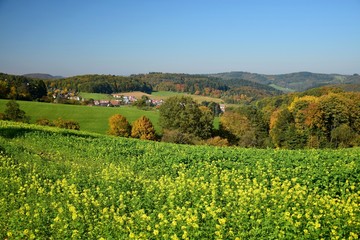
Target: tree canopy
184,114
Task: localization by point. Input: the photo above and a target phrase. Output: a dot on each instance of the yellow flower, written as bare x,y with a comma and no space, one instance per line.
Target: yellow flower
174,237
156,232
222,221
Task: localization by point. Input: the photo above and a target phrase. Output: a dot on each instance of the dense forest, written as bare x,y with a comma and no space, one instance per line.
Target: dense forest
99,84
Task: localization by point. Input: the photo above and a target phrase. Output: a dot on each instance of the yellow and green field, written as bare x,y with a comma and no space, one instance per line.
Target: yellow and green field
62,184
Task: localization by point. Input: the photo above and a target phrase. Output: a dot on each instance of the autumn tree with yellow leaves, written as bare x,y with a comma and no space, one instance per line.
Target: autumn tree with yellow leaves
119,126
143,128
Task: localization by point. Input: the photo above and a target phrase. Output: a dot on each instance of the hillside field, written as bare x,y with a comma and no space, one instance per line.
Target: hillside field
92,119
62,184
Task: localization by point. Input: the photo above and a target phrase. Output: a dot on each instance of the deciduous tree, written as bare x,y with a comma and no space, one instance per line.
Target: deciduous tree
14,113
143,128
183,114
119,126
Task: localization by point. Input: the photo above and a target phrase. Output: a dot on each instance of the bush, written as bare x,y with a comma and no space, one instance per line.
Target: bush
175,136
14,113
217,141
67,124
44,122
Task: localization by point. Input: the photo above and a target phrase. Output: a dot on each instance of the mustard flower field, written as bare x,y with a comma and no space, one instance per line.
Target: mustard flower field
61,184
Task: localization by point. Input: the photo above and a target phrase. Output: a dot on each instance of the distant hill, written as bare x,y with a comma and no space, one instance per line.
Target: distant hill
299,81
201,85
43,76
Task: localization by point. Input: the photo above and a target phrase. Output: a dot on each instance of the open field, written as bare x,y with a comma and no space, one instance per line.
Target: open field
92,119
62,184
198,98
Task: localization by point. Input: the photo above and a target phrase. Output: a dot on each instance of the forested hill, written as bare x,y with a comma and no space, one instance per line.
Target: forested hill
299,81
100,84
230,91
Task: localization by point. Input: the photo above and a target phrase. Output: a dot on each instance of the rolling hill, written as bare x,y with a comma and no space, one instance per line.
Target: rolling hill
299,81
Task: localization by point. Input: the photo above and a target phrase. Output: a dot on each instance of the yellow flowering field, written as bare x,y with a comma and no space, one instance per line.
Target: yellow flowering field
62,184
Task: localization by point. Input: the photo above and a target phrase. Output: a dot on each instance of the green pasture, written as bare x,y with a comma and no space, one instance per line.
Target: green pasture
96,96
198,98
92,119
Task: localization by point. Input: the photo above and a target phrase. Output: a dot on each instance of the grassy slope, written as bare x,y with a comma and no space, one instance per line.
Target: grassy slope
92,119
96,96
198,98
58,183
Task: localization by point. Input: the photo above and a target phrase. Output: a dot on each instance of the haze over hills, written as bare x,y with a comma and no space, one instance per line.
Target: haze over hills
43,76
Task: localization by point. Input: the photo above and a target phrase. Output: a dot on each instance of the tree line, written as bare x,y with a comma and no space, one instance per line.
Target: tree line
318,118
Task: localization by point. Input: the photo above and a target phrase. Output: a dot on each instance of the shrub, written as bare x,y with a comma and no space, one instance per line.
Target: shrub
44,122
67,124
175,136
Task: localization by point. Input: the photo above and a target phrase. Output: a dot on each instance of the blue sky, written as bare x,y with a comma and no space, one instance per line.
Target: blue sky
69,37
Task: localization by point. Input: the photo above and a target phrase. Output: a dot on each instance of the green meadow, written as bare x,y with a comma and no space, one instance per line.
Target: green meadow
96,96
91,119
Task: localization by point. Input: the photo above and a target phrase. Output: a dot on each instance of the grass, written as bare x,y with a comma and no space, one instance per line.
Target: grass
285,90
198,98
92,119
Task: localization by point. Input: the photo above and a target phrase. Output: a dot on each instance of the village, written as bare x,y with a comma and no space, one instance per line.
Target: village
127,100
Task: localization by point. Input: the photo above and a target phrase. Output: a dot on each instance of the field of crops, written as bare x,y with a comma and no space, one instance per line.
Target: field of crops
61,184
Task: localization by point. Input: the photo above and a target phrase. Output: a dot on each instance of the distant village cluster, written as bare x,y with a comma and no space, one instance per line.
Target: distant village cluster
118,101
125,100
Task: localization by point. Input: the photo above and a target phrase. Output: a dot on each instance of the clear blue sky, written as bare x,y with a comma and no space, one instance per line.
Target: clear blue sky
122,37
